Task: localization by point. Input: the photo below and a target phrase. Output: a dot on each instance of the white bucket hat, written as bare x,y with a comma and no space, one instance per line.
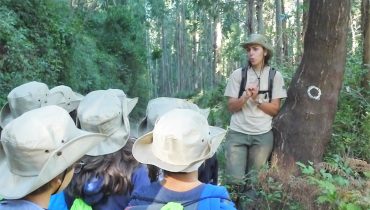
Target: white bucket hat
64,97
23,98
106,111
38,146
180,142
159,106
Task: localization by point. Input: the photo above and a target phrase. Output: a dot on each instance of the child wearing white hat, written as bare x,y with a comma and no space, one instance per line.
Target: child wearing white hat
208,171
37,151
23,98
108,174
179,144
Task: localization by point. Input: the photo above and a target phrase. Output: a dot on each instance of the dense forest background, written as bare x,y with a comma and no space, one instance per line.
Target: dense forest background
187,49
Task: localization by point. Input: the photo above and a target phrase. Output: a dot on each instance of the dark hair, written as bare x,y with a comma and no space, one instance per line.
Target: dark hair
153,172
170,172
115,169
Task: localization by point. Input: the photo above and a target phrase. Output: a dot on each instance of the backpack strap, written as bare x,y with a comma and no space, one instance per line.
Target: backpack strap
210,191
272,73
188,203
79,204
243,82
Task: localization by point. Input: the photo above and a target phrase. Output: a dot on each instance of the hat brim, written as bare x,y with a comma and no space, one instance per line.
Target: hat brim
267,47
5,115
13,186
143,126
131,103
143,152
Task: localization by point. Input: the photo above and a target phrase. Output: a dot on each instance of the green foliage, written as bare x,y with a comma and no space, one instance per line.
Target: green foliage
217,102
49,41
306,169
263,191
351,129
340,187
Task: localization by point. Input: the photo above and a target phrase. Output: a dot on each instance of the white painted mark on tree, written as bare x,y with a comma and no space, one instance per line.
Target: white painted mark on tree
314,92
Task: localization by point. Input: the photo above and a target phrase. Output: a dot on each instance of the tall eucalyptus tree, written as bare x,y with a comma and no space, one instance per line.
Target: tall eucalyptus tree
304,124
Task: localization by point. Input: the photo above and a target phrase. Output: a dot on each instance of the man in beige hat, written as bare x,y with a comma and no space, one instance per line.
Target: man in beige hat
254,94
37,151
179,144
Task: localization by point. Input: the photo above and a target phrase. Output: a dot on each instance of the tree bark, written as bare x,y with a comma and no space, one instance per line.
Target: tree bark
284,32
306,5
279,35
304,125
298,32
366,45
250,17
259,11
217,50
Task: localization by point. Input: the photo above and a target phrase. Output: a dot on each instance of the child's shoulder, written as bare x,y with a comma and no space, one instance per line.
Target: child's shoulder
215,190
147,190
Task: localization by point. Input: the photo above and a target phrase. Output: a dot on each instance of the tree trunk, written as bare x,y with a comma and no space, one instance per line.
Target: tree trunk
217,50
366,45
250,17
279,35
306,5
298,32
165,65
284,32
260,23
304,125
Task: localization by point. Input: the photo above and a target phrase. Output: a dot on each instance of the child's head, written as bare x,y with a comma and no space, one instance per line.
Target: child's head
39,146
114,169
28,96
64,97
159,106
180,142
106,111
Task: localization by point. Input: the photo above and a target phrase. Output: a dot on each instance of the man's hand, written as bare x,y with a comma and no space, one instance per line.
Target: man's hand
252,91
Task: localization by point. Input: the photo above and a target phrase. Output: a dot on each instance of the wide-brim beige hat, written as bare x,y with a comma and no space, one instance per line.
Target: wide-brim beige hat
38,146
159,106
260,40
64,97
23,98
106,112
180,142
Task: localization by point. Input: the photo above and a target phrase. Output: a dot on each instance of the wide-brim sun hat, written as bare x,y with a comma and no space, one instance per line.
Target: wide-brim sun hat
64,97
37,147
28,96
159,106
128,103
180,141
106,111
260,40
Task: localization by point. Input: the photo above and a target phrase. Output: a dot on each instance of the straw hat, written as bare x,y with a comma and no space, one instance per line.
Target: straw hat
38,146
159,106
64,97
180,142
23,98
106,111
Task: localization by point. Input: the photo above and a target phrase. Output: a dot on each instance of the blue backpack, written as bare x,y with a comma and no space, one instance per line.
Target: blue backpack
212,198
